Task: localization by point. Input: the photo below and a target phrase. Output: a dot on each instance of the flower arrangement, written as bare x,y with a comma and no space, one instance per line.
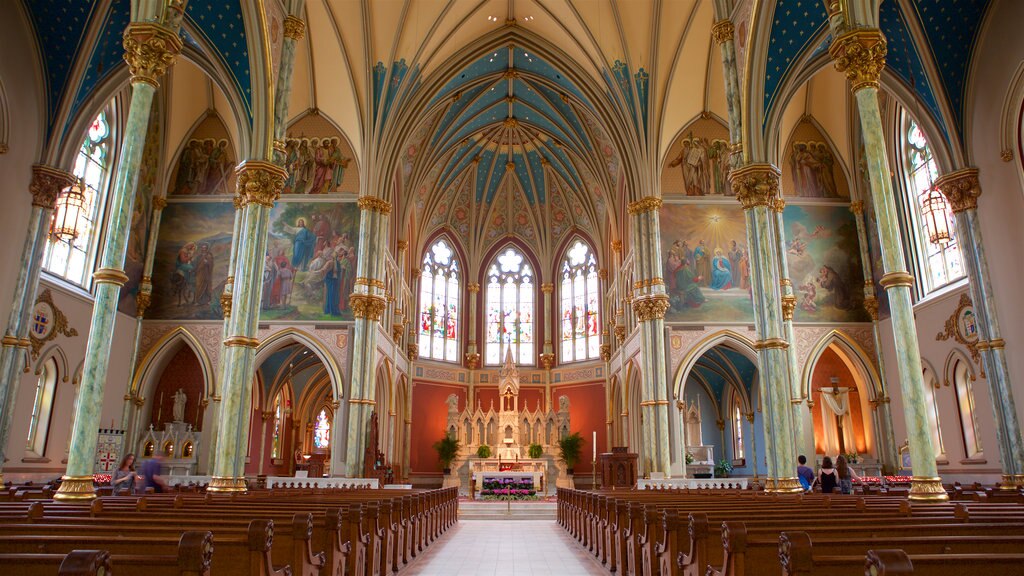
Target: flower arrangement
851,458
723,468
689,457
508,489
888,480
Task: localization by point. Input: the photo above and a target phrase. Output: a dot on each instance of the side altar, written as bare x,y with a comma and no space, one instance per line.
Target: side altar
509,431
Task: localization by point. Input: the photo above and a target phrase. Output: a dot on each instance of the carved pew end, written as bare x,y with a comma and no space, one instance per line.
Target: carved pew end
86,563
888,563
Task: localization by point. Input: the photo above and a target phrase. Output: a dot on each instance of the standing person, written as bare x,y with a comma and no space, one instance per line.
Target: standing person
123,480
828,477
846,475
804,473
150,475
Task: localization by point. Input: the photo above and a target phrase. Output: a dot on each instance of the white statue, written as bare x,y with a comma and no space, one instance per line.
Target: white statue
180,399
453,404
563,403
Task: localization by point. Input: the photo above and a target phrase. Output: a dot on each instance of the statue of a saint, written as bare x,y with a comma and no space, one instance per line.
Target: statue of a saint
180,399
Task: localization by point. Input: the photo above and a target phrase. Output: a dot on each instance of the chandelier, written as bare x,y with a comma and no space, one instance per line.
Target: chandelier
935,213
67,214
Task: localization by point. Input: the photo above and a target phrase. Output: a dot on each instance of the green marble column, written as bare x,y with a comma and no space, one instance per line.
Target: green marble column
962,189
650,302
860,54
723,33
368,303
149,50
46,184
259,184
756,186
883,414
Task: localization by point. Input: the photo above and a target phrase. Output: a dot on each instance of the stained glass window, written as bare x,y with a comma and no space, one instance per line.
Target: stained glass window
73,259
439,303
963,380
322,430
509,308
275,447
941,261
42,408
737,426
581,339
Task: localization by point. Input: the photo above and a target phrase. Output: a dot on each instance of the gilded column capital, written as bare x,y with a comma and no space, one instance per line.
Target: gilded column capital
857,207
416,273
778,204
547,361
645,204
413,350
871,305
602,273
472,360
756,184
620,333
374,204
294,27
225,303
788,306
259,182
159,202
142,301
617,245
606,352
150,49
46,185
473,287
860,54
367,306
547,287
961,189
402,244
651,307
722,31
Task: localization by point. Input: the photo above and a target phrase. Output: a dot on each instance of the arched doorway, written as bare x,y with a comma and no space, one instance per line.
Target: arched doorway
838,397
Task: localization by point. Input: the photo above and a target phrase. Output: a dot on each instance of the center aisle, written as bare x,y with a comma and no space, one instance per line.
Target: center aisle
505,548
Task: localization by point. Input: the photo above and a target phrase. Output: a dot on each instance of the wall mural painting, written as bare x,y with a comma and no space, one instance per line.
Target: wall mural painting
309,269
206,163
698,162
142,214
811,168
824,264
315,166
706,263
191,262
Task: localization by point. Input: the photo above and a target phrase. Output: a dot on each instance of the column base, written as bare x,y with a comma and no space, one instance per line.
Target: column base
75,489
927,489
227,484
1008,482
784,486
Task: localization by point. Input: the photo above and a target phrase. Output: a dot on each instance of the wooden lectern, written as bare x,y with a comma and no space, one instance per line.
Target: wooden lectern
618,468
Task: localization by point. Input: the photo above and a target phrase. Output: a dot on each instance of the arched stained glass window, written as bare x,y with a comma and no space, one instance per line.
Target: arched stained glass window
42,409
932,402
963,384
737,426
510,304
322,430
439,303
581,339
935,232
73,259
275,447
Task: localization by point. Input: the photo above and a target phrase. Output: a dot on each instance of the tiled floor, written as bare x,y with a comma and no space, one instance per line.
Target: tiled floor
505,548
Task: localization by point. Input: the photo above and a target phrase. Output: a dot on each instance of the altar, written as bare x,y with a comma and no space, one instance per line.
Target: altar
524,471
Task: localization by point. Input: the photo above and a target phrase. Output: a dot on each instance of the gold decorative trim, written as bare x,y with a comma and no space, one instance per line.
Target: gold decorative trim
472,360
860,54
927,489
606,352
997,343
225,303
755,184
722,31
110,276
788,307
857,207
413,350
951,329
374,204
897,279
142,302
242,341
654,403
1006,155
364,281
362,401
651,307
871,305
617,245
259,182
367,306
602,273
620,333
547,360
46,185
149,50
402,244
227,484
789,485
159,203
294,28
1011,481
646,204
75,489
473,287
60,324
771,344
547,287
9,342
961,188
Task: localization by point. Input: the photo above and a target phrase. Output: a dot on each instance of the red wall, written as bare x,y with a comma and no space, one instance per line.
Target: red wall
429,419
587,414
528,397
829,365
183,371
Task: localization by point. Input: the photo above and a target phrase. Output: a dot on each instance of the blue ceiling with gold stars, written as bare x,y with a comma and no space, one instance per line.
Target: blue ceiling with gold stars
795,26
61,26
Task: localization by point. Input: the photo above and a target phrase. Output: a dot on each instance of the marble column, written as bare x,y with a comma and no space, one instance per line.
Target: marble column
883,413
723,33
149,50
962,189
650,303
368,303
258,185
860,54
402,313
756,186
547,358
472,354
46,185
294,30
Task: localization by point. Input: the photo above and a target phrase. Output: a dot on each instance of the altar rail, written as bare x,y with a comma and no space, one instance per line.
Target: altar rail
285,482
693,483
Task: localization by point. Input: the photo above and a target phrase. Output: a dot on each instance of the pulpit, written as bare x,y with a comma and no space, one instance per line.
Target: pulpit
618,468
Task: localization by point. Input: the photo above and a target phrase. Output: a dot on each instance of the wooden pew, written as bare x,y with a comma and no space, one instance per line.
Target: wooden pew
194,557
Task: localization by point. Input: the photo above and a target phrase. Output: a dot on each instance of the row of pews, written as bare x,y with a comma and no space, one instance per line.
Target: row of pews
744,533
273,532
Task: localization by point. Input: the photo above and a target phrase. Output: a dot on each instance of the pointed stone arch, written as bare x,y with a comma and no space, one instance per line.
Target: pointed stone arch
60,359
853,352
282,338
155,360
729,338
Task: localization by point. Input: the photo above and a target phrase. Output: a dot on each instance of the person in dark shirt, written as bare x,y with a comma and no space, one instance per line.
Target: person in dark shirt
150,475
828,477
804,472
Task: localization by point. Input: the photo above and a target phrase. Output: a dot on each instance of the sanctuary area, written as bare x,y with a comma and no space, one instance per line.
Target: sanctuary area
511,286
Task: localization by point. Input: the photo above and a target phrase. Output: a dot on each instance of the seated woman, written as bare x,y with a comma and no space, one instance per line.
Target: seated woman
721,271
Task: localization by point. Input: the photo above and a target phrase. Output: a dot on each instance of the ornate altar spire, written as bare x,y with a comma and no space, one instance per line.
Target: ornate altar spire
509,374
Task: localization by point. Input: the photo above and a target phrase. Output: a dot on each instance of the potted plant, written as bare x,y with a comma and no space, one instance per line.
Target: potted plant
484,451
535,451
447,450
569,449
689,458
723,468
